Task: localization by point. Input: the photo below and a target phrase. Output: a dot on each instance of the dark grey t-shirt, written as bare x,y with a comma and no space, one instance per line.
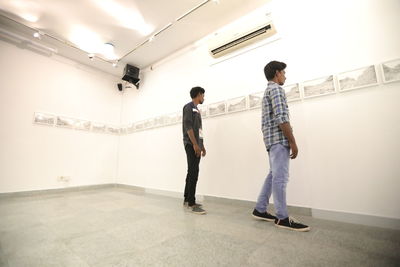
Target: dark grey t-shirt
191,119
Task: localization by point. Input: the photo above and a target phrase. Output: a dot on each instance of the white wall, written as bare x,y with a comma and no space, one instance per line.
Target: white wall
33,156
348,141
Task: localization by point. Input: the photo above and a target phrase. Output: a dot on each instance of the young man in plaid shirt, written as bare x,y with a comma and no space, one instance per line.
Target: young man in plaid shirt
279,141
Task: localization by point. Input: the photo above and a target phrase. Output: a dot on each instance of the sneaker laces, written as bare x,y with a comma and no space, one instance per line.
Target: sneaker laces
293,220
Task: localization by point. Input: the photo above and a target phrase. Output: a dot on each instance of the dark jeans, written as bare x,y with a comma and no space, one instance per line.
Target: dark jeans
192,174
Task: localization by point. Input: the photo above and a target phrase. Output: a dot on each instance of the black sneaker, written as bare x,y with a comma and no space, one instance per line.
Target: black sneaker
263,216
291,224
197,209
186,204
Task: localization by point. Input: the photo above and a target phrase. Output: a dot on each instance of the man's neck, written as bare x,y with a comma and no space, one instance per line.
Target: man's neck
195,102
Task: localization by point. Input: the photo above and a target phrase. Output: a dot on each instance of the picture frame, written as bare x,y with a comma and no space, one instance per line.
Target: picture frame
112,129
358,78
319,87
98,127
292,92
236,104
391,71
217,109
44,118
83,125
255,100
65,122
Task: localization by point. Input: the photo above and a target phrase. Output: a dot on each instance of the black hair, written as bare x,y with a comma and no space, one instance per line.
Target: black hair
196,91
271,68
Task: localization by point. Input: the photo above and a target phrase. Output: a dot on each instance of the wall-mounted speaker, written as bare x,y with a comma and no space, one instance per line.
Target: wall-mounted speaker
131,74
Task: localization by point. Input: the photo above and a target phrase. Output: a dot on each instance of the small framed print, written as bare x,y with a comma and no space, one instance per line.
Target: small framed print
236,104
359,78
98,127
131,128
391,71
216,109
139,126
159,121
82,125
203,111
292,92
65,122
255,100
319,87
124,129
44,118
112,129
149,123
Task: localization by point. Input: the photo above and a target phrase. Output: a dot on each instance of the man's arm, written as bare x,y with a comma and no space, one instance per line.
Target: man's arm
196,147
188,127
288,133
281,113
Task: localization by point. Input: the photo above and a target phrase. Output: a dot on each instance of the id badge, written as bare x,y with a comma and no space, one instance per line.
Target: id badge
201,133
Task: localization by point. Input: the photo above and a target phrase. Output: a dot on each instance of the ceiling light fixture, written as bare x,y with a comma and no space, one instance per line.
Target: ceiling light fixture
36,35
91,56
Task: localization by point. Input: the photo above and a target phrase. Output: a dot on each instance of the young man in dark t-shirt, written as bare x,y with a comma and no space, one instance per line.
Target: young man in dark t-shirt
194,147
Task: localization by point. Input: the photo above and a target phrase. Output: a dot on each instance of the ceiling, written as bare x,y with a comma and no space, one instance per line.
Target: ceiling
75,28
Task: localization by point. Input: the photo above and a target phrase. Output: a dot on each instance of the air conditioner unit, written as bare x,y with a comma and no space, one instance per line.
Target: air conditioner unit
235,40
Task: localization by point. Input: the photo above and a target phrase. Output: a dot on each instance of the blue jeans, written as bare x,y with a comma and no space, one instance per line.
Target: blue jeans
276,181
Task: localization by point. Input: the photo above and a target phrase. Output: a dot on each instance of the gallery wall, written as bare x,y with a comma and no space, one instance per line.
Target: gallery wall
33,156
347,140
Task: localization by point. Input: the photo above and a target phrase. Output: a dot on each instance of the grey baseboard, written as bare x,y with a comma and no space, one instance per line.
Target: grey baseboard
369,220
55,190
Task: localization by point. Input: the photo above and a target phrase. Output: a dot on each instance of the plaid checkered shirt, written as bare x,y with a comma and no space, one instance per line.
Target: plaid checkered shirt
275,111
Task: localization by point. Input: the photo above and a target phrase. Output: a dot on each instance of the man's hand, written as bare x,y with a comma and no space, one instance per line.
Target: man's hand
203,152
294,149
197,150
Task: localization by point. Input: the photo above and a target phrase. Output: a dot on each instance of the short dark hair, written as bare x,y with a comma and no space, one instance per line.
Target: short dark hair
271,68
196,91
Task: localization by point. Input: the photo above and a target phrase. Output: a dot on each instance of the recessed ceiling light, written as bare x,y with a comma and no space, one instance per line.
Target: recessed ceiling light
36,35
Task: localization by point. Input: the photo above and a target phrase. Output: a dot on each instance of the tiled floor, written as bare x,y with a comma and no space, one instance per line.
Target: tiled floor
117,227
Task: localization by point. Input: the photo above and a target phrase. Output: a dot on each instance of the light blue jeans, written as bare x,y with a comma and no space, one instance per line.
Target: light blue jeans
276,181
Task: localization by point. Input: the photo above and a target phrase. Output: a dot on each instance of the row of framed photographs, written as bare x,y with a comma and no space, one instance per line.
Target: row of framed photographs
72,123
350,80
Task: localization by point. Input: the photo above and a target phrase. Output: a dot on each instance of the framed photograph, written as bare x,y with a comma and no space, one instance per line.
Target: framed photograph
149,123
112,129
179,117
139,126
170,119
65,122
83,125
358,78
123,129
98,127
216,109
203,111
255,100
236,104
391,71
131,128
292,92
44,119
319,87
159,121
